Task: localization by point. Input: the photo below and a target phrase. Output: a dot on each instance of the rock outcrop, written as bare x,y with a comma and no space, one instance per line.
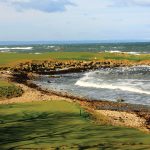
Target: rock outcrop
53,67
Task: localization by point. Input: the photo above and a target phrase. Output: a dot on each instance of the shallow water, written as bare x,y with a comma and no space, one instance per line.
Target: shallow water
130,84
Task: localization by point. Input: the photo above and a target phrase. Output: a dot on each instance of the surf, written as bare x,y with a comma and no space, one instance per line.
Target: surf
111,80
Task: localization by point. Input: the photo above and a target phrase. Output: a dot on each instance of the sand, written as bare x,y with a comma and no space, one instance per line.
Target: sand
31,95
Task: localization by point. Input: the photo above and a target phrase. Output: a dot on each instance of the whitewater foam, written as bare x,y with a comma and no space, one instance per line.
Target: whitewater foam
90,81
51,46
110,86
37,53
117,51
16,48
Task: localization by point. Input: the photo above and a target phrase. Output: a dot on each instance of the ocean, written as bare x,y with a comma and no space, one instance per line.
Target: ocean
130,84
41,47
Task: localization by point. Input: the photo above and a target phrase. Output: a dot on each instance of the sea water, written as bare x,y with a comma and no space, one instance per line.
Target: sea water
131,84
41,47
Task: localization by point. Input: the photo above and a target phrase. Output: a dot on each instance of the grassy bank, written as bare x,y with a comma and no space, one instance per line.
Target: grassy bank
4,83
8,90
9,59
58,124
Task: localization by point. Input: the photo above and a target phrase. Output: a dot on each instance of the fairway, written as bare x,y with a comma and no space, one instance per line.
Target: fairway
10,59
58,125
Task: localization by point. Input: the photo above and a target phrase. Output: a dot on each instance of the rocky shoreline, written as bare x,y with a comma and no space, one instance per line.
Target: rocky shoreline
65,66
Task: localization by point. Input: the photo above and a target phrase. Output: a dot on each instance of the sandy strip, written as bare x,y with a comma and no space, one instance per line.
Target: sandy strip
31,95
123,118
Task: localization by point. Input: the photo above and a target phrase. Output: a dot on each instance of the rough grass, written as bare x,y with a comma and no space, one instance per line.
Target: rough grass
8,59
8,90
58,125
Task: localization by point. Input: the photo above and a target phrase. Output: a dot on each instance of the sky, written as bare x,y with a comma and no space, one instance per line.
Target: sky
69,20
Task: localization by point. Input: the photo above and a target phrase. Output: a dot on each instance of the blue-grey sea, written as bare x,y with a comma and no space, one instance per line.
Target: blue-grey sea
131,84
41,47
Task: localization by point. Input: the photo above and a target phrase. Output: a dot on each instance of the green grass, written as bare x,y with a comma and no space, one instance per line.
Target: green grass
58,124
12,58
9,58
8,90
4,83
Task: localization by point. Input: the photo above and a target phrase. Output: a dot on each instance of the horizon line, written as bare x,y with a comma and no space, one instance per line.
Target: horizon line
15,42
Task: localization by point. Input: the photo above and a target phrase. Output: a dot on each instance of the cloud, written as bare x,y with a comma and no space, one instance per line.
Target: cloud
141,3
40,5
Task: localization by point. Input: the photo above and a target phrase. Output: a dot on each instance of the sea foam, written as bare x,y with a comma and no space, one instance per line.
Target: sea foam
118,51
16,48
90,80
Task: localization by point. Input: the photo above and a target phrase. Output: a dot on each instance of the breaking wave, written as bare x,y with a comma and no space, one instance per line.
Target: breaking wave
117,51
104,80
16,48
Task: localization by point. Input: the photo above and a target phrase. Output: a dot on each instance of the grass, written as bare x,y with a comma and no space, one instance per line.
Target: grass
8,90
8,59
4,83
58,125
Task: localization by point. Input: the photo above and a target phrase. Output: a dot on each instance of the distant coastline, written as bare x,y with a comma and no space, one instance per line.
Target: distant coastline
71,42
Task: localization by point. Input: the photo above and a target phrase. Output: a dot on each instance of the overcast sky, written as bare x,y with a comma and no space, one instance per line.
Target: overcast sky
74,20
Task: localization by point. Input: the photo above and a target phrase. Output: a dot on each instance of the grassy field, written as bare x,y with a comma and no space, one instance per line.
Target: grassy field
12,58
59,125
